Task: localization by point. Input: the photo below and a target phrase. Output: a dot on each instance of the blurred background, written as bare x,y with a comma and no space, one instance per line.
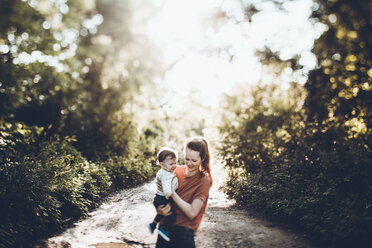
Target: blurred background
91,89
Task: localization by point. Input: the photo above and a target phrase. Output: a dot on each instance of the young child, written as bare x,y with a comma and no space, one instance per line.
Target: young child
165,181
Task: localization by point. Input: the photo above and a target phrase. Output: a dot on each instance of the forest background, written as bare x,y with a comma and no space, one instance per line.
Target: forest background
83,113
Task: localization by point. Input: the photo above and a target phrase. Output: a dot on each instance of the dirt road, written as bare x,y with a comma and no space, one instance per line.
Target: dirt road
121,221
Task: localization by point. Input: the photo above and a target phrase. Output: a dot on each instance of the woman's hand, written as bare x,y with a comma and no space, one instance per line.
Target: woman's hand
164,210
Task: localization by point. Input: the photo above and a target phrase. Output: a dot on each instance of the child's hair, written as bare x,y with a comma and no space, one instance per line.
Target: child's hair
165,152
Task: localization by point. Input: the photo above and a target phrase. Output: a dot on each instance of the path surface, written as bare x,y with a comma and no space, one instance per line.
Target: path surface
121,221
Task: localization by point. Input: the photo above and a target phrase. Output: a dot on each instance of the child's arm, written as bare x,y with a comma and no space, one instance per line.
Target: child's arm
174,186
166,183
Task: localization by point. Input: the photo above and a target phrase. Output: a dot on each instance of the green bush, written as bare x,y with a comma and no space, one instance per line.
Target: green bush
41,191
313,178
44,185
128,172
322,188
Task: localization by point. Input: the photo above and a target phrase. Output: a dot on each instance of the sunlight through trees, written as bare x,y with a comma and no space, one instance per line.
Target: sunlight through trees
90,89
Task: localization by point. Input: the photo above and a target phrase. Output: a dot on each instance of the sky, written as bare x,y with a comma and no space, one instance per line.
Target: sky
190,38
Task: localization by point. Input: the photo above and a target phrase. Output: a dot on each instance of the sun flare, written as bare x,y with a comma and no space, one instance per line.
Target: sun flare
210,59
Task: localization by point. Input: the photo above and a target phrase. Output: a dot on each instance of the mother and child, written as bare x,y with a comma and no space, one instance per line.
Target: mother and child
181,194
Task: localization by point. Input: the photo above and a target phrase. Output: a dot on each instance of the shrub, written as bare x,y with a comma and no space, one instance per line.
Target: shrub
45,185
311,177
128,172
41,191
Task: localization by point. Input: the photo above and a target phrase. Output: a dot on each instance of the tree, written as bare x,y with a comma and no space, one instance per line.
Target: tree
310,167
339,90
64,89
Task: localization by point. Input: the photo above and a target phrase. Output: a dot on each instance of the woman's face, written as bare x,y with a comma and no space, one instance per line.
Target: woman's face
192,160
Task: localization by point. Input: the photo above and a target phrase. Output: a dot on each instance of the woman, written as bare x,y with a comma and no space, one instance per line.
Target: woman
191,196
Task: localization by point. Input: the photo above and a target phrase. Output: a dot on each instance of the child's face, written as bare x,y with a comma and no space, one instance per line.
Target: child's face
169,164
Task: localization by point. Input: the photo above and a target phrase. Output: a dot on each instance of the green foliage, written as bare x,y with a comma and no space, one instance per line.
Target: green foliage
32,89
340,88
310,166
307,176
99,129
128,172
44,186
65,139
138,165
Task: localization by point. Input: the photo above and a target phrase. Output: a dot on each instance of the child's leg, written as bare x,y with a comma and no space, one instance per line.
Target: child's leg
165,226
159,201
157,218
169,219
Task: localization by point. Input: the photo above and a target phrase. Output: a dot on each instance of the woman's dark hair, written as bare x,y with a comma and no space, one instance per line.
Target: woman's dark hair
200,144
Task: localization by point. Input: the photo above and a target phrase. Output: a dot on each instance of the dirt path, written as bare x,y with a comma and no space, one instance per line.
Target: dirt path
121,221
226,226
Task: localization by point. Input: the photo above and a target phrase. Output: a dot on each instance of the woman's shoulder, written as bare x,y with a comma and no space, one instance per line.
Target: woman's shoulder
180,169
205,179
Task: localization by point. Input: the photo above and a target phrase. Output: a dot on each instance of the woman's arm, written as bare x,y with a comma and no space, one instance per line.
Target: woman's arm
190,210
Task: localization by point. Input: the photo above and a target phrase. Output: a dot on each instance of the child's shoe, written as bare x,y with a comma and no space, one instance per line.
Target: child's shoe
152,227
164,234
